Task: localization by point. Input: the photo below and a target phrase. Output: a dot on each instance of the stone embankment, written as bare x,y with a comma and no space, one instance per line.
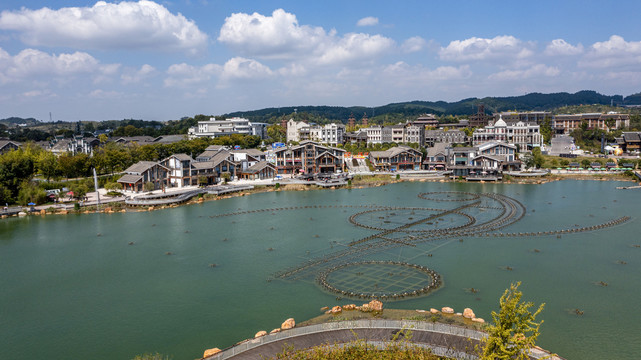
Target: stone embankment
450,340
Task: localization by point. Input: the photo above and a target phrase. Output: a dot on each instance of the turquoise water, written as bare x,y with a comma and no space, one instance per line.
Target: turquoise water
73,287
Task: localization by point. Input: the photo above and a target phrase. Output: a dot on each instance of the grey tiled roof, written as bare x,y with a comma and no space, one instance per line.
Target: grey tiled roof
258,167
140,167
130,179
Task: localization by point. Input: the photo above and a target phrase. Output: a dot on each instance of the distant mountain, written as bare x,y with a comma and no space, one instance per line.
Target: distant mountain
17,121
529,102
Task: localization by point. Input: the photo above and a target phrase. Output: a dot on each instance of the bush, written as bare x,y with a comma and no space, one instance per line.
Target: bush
113,186
277,186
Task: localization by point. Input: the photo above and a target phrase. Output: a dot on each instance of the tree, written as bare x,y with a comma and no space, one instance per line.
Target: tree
514,330
585,163
149,186
31,193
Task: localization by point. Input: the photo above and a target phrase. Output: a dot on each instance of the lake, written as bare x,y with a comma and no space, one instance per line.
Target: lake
178,281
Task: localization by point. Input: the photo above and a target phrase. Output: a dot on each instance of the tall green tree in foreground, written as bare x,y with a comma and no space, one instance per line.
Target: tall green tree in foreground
514,329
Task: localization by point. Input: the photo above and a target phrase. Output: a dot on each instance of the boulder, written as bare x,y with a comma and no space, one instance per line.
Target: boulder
468,313
420,311
324,308
22,213
478,320
63,212
375,305
43,212
288,324
434,311
336,310
210,352
260,333
275,331
349,307
447,310
150,208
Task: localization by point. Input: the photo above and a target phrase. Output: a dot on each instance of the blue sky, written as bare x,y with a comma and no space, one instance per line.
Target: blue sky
87,60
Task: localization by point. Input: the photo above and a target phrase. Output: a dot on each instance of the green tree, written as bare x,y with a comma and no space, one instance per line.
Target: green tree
585,163
149,186
47,165
514,330
31,193
277,133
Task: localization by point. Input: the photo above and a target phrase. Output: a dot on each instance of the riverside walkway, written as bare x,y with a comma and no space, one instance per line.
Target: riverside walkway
177,197
443,339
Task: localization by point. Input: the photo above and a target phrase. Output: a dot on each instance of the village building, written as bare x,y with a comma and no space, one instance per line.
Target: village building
331,134
262,170
8,145
142,172
536,117
214,128
440,136
355,138
396,159
525,136
436,158
565,124
490,158
630,141
310,158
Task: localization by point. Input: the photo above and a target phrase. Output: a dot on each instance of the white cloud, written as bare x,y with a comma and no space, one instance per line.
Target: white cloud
408,74
32,64
144,72
279,36
615,52
183,75
480,49
241,68
414,44
104,94
560,47
367,21
536,71
353,47
125,25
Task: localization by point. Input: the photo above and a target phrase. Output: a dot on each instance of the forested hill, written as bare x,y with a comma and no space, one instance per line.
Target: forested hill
529,102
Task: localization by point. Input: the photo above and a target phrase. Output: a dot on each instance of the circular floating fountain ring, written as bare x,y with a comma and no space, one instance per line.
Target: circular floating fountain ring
449,196
383,280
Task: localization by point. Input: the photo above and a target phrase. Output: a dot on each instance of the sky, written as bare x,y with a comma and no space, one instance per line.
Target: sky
163,60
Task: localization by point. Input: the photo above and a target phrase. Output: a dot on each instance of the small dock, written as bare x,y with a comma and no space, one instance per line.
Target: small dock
226,189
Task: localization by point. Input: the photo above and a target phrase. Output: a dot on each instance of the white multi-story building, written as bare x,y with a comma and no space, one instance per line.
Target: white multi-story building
524,135
331,134
297,131
374,134
235,125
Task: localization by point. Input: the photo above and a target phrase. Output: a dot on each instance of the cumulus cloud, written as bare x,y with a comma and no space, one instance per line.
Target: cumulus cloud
402,70
125,25
615,52
367,21
539,70
183,75
241,68
144,72
480,49
413,44
560,47
36,64
279,36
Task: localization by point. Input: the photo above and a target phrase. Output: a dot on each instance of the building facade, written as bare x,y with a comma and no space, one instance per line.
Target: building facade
525,136
309,158
565,124
215,128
